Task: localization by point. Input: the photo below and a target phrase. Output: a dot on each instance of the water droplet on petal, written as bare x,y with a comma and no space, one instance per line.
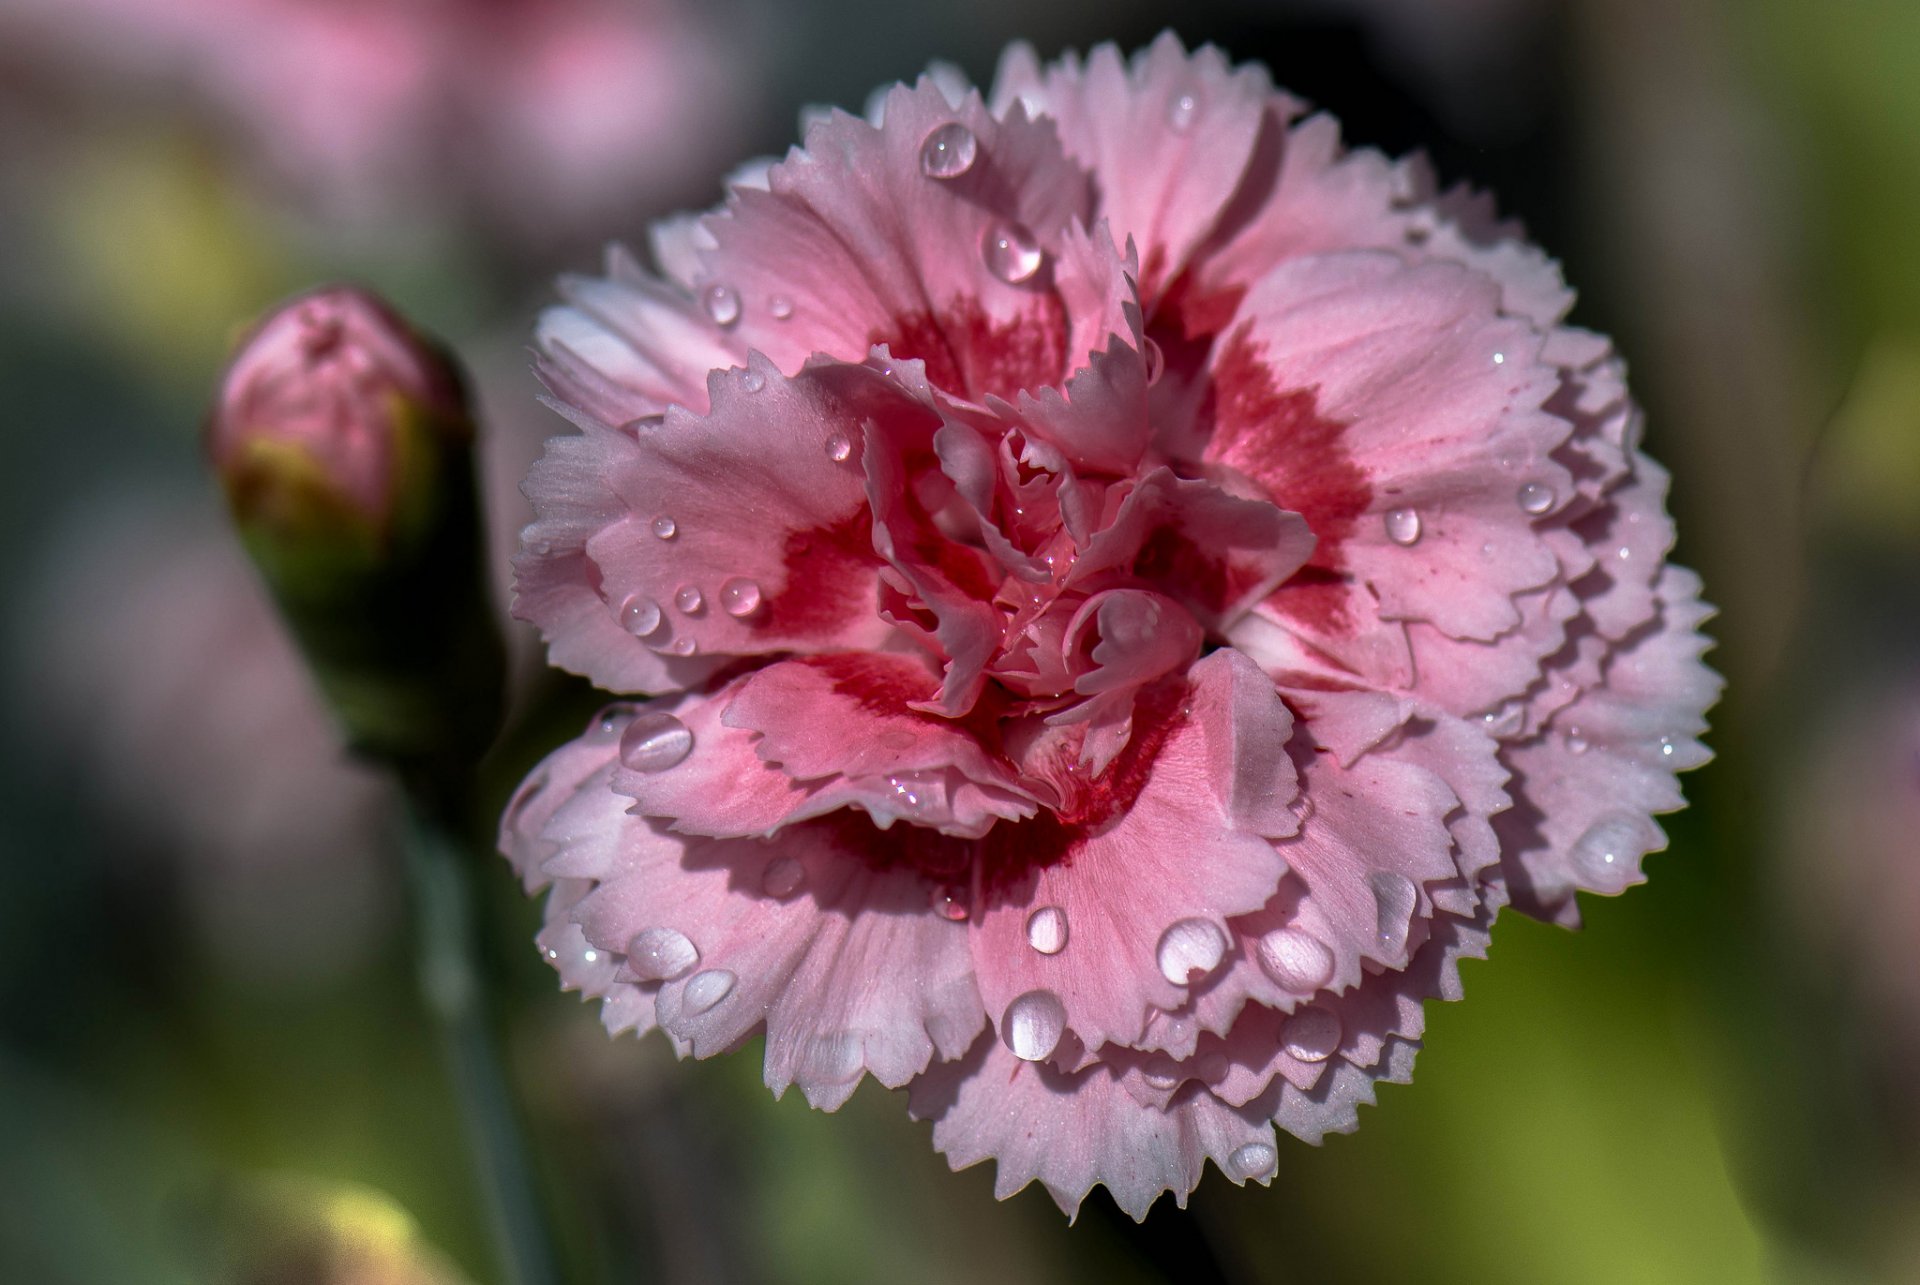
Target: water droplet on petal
1255,1160
654,742
689,599
1033,1025
684,647
704,990
1499,359
752,380
950,902
780,306
1666,747
839,448
1011,253
1403,526
1394,901
542,547
665,527
1535,497
1047,930
1576,743
949,151
740,597
1181,109
660,954
640,615
1296,960
1603,855
1190,946
1311,1034
722,303
609,723
1156,361
783,877
1161,1072
643,425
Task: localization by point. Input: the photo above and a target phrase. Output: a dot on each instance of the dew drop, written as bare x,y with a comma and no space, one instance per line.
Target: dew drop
1403,526
839,448
1181,109
684,647
1603,855
1033,1025
1536,497
783,877
1161,1072
660,954
950,903
655,742
689,599
643,425
780,307
704,990
1296,960
1666,747
640,615
1576,743
609,723
1011,253
1190,946
740,597
1394,901
541,547
1255,1160
1047,930
949,151
1311,1034
665,527
751,380
722,303
1156,361
1499,359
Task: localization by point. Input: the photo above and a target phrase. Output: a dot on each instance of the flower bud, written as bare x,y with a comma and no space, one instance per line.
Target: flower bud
344,443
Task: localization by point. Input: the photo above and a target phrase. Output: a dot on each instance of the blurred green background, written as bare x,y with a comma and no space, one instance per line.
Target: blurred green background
213,1062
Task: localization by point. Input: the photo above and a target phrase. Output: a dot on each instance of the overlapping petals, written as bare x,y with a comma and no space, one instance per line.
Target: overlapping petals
1127,590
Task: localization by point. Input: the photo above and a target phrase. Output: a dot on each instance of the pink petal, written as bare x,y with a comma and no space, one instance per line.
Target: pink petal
1184,853
1071,1131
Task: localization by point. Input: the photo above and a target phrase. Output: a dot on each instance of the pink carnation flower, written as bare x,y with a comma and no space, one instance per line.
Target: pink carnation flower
1131,588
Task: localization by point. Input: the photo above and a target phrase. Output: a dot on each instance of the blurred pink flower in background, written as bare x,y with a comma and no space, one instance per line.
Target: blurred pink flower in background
1139,587
182,697
541,112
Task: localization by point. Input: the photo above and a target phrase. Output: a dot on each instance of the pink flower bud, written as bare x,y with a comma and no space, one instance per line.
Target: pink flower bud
316,415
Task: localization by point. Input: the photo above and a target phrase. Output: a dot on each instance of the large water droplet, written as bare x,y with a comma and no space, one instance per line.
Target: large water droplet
689,599
660,954
722,303
740,597
839,448
1403,526
783,877
1535,497
1394,900
1255,1160
1311,1034
950,902
1161,1072
1033,1025
949,151
1296,960
1047,930
640,615
1603,855
654,742
1011,253
683,647
704,990
1190,946
664,527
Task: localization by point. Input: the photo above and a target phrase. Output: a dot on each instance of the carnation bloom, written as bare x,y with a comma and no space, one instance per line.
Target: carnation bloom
1129,589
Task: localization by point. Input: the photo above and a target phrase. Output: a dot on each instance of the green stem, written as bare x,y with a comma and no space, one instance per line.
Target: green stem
451,986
